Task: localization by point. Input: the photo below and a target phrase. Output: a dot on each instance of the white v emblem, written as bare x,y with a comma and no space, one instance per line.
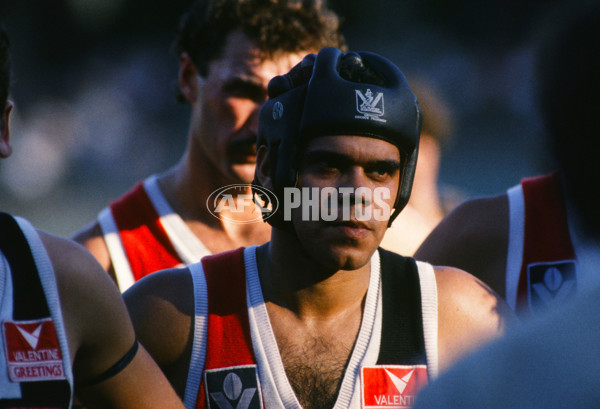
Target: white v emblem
32,338
400,383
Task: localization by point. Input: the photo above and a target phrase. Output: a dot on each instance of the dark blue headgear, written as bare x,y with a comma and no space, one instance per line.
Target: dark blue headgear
314,100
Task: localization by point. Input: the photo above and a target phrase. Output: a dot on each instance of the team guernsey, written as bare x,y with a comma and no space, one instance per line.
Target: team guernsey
143,234
235,361
35,365
541,267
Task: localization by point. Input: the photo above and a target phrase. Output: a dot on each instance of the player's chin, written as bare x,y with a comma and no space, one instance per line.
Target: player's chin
350,256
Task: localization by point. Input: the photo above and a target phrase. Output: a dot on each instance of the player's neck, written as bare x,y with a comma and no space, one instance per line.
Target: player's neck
187,196
188,185
292,281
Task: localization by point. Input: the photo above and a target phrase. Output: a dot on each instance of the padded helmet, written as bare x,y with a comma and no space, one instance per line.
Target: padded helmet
315,99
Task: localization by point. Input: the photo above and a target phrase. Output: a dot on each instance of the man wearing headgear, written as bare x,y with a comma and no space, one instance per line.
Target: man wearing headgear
319,316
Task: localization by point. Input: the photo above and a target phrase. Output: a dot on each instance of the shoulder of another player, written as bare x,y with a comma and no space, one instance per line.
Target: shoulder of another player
168,285
476,213
71,261
89,232
475,226
159,304
166,296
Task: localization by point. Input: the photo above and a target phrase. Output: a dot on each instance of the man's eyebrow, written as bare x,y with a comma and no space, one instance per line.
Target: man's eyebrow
339,158
324,154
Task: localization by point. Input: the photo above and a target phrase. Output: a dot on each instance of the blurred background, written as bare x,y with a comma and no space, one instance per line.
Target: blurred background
94,80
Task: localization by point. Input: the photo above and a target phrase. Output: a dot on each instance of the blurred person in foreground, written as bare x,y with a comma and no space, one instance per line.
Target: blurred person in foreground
524,243
228,51
64,326
319,317
552,362
430,200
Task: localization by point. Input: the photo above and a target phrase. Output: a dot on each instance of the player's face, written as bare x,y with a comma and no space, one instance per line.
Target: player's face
230,97
348,162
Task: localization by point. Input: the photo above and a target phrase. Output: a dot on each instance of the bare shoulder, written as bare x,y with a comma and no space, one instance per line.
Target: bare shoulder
472,237
92,238
161,307
98,326
73,263
470,314
162,296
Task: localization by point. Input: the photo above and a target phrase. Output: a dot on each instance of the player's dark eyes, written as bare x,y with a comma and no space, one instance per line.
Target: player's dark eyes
383,169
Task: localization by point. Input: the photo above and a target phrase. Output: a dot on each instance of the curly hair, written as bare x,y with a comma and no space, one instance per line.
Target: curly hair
4,67
275,26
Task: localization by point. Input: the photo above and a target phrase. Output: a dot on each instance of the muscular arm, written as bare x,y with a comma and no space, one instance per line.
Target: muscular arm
100,333
92,239
161,306
470,314
473,237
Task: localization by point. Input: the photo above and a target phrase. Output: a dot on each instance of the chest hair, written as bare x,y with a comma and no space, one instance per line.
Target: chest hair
315,368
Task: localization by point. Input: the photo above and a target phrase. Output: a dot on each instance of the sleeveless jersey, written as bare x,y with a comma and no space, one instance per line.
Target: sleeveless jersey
143,234
235,360
540,266
35,363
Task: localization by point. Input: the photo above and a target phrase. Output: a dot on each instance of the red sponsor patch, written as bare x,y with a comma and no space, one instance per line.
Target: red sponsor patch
32,351
386,386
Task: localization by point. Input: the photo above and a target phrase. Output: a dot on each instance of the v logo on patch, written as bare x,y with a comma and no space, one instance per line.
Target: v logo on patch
386,386
235,387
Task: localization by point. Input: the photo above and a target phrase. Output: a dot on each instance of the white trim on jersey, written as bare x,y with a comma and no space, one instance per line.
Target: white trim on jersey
429,307
200,335
516,237
116,250
8,388
189,248
48,280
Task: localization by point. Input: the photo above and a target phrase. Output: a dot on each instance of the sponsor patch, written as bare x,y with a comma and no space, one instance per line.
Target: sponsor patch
236,387
386,386
549,283
32,351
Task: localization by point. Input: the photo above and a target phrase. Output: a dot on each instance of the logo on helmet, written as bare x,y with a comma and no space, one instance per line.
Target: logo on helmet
277,111
369,105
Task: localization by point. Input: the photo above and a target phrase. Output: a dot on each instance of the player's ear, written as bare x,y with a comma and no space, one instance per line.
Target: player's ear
189,78
263,169
5,148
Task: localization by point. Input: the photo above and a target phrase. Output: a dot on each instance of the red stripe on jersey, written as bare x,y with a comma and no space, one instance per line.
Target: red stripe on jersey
547,236
146,243
229,341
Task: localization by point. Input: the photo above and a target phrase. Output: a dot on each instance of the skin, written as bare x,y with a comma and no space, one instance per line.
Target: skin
473,237
221,143
314,282
98,328
424,209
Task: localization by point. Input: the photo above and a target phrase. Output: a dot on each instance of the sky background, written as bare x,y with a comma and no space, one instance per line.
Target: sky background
94,80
